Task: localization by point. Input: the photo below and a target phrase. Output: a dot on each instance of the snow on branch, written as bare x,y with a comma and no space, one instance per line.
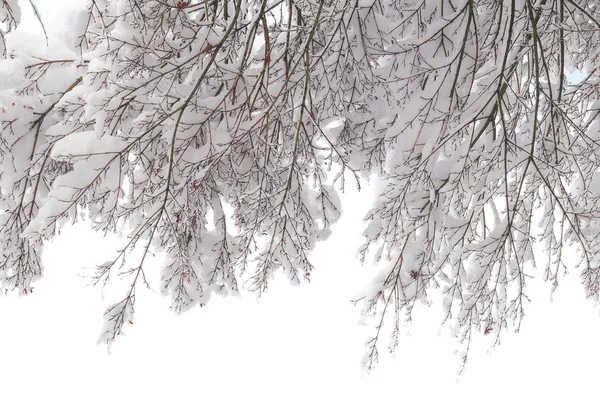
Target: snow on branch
222,132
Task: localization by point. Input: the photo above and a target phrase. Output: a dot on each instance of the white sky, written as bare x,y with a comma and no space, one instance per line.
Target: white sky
294,342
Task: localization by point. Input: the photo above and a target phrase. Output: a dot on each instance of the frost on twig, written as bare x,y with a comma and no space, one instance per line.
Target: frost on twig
116,317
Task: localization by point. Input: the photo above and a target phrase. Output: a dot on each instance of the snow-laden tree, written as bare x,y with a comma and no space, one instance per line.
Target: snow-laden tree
158,116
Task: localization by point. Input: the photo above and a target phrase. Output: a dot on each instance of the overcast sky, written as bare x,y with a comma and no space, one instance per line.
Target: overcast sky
294,342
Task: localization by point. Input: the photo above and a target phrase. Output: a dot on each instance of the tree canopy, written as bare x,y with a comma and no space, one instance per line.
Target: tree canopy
221,131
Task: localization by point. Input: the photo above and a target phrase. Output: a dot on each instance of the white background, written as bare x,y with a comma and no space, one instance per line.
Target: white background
294,342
